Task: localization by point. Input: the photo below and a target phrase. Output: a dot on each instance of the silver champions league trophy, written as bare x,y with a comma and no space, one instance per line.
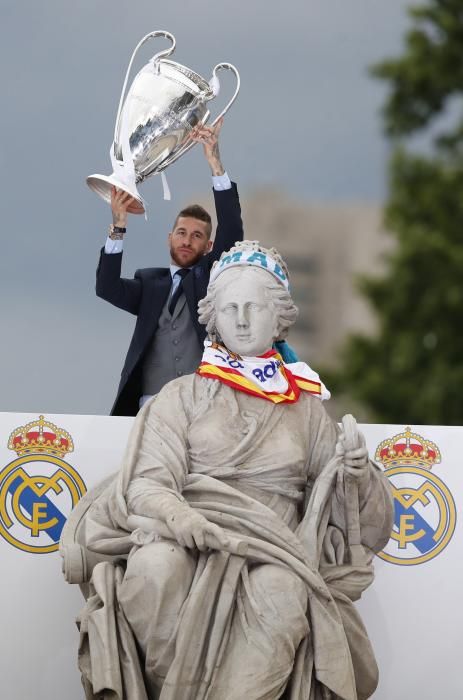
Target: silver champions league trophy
154,122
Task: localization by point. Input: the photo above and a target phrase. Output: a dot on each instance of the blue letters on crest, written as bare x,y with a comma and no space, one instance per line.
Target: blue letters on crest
235,257
260,257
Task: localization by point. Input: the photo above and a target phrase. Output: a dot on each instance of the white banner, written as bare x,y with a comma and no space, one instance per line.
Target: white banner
413,611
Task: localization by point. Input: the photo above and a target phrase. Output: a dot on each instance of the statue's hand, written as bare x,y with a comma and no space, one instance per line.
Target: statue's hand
191,529
356,461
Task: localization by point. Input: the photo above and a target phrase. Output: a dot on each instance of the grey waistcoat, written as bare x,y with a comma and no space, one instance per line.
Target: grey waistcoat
174,351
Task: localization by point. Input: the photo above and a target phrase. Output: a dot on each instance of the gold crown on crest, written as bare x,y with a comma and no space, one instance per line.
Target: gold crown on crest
40,436
408,449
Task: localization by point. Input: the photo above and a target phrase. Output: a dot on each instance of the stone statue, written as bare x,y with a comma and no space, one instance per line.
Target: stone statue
241,526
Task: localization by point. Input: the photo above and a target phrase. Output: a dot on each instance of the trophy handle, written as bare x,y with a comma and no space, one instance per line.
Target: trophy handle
155,59
215,86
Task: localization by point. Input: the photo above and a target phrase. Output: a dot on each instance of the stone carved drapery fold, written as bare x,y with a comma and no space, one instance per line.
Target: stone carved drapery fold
335,658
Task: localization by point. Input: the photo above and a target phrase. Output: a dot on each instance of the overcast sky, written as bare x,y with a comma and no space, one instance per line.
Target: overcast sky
306,121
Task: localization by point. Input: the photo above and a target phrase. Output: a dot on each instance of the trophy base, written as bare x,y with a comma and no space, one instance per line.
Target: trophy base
102,185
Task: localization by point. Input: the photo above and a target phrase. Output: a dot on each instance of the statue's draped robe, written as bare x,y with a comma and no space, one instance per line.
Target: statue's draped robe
268,475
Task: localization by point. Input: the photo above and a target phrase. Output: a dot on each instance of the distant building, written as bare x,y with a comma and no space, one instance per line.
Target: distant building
326,246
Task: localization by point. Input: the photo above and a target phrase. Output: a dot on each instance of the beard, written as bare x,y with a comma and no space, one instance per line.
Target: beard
183,261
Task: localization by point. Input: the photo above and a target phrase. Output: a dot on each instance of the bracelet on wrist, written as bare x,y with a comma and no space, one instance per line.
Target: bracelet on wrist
116,233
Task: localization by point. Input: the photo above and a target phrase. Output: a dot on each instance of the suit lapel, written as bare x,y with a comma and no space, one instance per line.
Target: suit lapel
195,286
179,306
159,289
201,278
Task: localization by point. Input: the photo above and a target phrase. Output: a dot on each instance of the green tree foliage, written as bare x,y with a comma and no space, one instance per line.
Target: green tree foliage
412,370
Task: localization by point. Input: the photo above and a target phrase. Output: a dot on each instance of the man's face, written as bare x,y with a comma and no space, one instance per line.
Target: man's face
189,241
245,320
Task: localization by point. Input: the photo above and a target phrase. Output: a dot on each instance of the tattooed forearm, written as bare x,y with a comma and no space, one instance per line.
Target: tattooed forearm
119,218
215,162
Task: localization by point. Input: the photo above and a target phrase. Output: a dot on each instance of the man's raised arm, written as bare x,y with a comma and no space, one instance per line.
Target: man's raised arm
227,204
110,286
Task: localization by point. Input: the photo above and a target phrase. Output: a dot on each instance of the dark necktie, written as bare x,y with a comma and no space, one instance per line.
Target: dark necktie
182,273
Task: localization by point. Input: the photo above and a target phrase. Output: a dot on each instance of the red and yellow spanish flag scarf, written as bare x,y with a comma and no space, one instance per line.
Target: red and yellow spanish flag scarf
266,376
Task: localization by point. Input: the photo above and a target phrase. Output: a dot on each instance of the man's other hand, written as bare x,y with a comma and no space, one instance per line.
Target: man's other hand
209,137
120,201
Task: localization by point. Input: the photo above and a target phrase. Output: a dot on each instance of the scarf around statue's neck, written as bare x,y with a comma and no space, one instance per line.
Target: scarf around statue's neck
266,376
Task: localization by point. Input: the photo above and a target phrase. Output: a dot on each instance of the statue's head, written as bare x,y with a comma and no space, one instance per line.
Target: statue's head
248,305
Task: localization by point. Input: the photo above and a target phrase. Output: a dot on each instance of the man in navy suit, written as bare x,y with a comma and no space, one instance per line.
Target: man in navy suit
168,340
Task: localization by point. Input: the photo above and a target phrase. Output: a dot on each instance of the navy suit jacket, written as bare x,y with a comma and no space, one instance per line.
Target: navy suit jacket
145,295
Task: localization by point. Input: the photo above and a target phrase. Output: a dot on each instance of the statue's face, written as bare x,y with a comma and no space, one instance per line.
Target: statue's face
245,320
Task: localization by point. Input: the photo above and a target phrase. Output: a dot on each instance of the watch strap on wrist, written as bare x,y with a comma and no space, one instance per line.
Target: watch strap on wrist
116,233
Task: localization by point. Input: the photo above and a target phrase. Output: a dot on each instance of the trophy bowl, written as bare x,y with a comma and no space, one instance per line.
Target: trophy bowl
155,119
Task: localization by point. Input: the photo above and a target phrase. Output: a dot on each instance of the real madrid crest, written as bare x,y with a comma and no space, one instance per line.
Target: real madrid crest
38,489
424,508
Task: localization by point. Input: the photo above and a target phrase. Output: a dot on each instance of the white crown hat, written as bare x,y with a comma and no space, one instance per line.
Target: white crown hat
252,254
